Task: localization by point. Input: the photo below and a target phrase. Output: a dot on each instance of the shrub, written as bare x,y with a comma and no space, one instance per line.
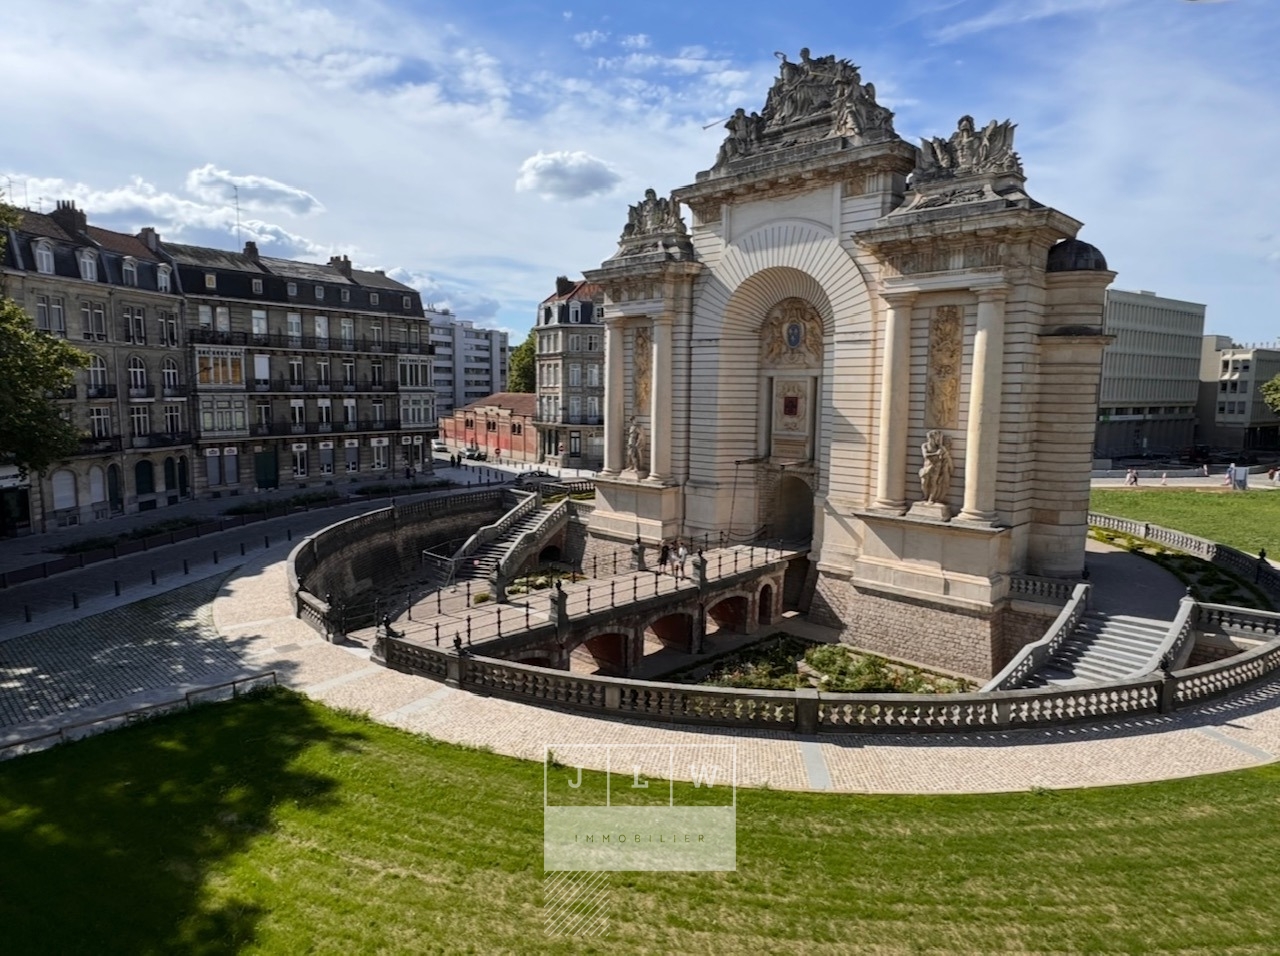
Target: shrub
481,597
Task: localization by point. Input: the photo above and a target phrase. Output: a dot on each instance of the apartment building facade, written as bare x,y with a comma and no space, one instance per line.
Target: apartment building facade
1234,415
570,376
215,373
1150,375
469,363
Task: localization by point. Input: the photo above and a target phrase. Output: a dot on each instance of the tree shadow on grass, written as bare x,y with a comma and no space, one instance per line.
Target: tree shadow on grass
108,845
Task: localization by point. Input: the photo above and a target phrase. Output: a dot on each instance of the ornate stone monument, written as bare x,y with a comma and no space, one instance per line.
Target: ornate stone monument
878,350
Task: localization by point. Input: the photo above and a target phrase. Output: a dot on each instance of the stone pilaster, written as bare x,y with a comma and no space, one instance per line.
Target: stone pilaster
895,397
660,401
982,438
614,417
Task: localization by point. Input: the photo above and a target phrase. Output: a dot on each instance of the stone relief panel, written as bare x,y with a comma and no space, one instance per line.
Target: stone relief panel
791,336
641,374
942,391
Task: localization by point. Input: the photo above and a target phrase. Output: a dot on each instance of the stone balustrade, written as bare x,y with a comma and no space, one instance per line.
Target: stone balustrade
1036,654
1043,590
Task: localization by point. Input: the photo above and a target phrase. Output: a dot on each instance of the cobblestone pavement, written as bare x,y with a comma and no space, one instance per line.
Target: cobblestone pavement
162,642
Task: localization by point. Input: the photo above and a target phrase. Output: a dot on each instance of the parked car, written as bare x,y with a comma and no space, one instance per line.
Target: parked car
439,447
476,454
530,479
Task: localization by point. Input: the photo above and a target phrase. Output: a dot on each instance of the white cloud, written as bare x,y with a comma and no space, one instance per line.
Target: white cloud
636,41
566,175
589,38
212,184
1013,12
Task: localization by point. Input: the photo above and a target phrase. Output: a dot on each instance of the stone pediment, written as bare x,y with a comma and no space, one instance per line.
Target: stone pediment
813,101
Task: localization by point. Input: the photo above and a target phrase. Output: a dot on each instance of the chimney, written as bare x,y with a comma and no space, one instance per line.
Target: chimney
251,250
563,285
69,218
342,264
150,238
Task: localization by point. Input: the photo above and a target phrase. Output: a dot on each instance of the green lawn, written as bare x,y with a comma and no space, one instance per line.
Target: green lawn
276,825
1247,520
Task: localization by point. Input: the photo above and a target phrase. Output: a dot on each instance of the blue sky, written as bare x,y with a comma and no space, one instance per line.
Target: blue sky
478,149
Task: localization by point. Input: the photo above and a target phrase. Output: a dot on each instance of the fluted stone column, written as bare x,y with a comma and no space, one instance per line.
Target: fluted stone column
982,438
615,426
895,398
660,401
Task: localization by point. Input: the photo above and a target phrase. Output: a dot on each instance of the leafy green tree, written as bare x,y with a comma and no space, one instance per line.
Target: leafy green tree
1271,393
522,366
34,366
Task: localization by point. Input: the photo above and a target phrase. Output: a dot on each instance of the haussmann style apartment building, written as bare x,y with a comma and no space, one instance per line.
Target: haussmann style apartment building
215,373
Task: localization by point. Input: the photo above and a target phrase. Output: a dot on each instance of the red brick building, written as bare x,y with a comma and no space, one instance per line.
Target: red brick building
501,425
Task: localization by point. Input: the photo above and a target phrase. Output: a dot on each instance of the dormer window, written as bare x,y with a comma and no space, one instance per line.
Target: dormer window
88,265
162,278
257,287
373,298
407,303
345,295
129,271
319,293
292,288
44,258
210,280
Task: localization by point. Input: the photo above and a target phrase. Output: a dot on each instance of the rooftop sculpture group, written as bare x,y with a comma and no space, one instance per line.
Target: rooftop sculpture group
968,151
810,100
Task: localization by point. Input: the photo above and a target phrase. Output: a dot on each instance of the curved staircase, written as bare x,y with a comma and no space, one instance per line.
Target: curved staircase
1102,648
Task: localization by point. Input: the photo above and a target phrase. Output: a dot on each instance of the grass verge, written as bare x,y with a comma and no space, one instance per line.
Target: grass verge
1247,520
275,825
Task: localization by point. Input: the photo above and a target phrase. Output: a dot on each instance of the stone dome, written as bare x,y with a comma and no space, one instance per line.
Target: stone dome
1072,255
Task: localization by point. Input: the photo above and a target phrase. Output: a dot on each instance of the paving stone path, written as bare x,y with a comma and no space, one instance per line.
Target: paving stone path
241,622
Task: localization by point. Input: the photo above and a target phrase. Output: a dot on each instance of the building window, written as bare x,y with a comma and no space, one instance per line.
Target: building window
322,331
373,298
42,313
299,463
293,326
173,419
57,317
88,266
257,287
168,329
100,422
348,332
297,411
345,295
137,376
210,280
97,371
222,319
377,410
575,374
379,457
348,411
291,288
129,272
353,456
94,319
264,413
407,302
44,258
319,293
258,318
205,313
135,323
517,428
375,374
349,372
593,343
171,380
575,313
575,443
593,407
375,336
220,367
162,278
139,421
322,373
326,461
324,412
295,370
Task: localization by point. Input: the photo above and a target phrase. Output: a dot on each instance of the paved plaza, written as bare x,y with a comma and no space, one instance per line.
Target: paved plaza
237,620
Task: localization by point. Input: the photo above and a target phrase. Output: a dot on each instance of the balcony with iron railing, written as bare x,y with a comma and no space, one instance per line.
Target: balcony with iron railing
333,343
100,391
287,385
325,428
564,418
176,390
99,444
161,440
142,391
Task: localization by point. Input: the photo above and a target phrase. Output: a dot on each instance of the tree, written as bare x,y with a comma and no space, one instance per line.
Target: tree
34,366
522,366
1271,393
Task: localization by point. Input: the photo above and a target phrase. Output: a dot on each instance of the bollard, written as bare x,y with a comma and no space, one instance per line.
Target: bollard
266,540
75,600
26,612
499,622
615,562
720,563
153,577
588,600
635,589
186,568
117,588
437,633
288,535
242,549
215,556
410,610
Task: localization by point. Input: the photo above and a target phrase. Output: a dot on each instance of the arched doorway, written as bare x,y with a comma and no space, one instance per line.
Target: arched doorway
604,654
765,613
183,478
793,512
115,497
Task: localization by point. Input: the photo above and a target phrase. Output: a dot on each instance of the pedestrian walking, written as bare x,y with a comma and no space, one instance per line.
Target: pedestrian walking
1164,478
1206,470
1230,479
682,555
1131,478
664,557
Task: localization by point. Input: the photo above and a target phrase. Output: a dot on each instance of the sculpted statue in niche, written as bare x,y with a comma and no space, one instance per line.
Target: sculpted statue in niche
942,392
968,151
641,356
791,336
635,438
935,473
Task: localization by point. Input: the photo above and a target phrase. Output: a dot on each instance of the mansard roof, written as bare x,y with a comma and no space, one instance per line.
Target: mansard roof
208,258
518,403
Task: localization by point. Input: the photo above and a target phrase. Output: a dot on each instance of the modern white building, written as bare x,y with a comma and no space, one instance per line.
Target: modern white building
470,363
1150,375
1233,415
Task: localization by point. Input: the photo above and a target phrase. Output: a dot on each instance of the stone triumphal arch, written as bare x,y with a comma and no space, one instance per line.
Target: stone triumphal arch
889,351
